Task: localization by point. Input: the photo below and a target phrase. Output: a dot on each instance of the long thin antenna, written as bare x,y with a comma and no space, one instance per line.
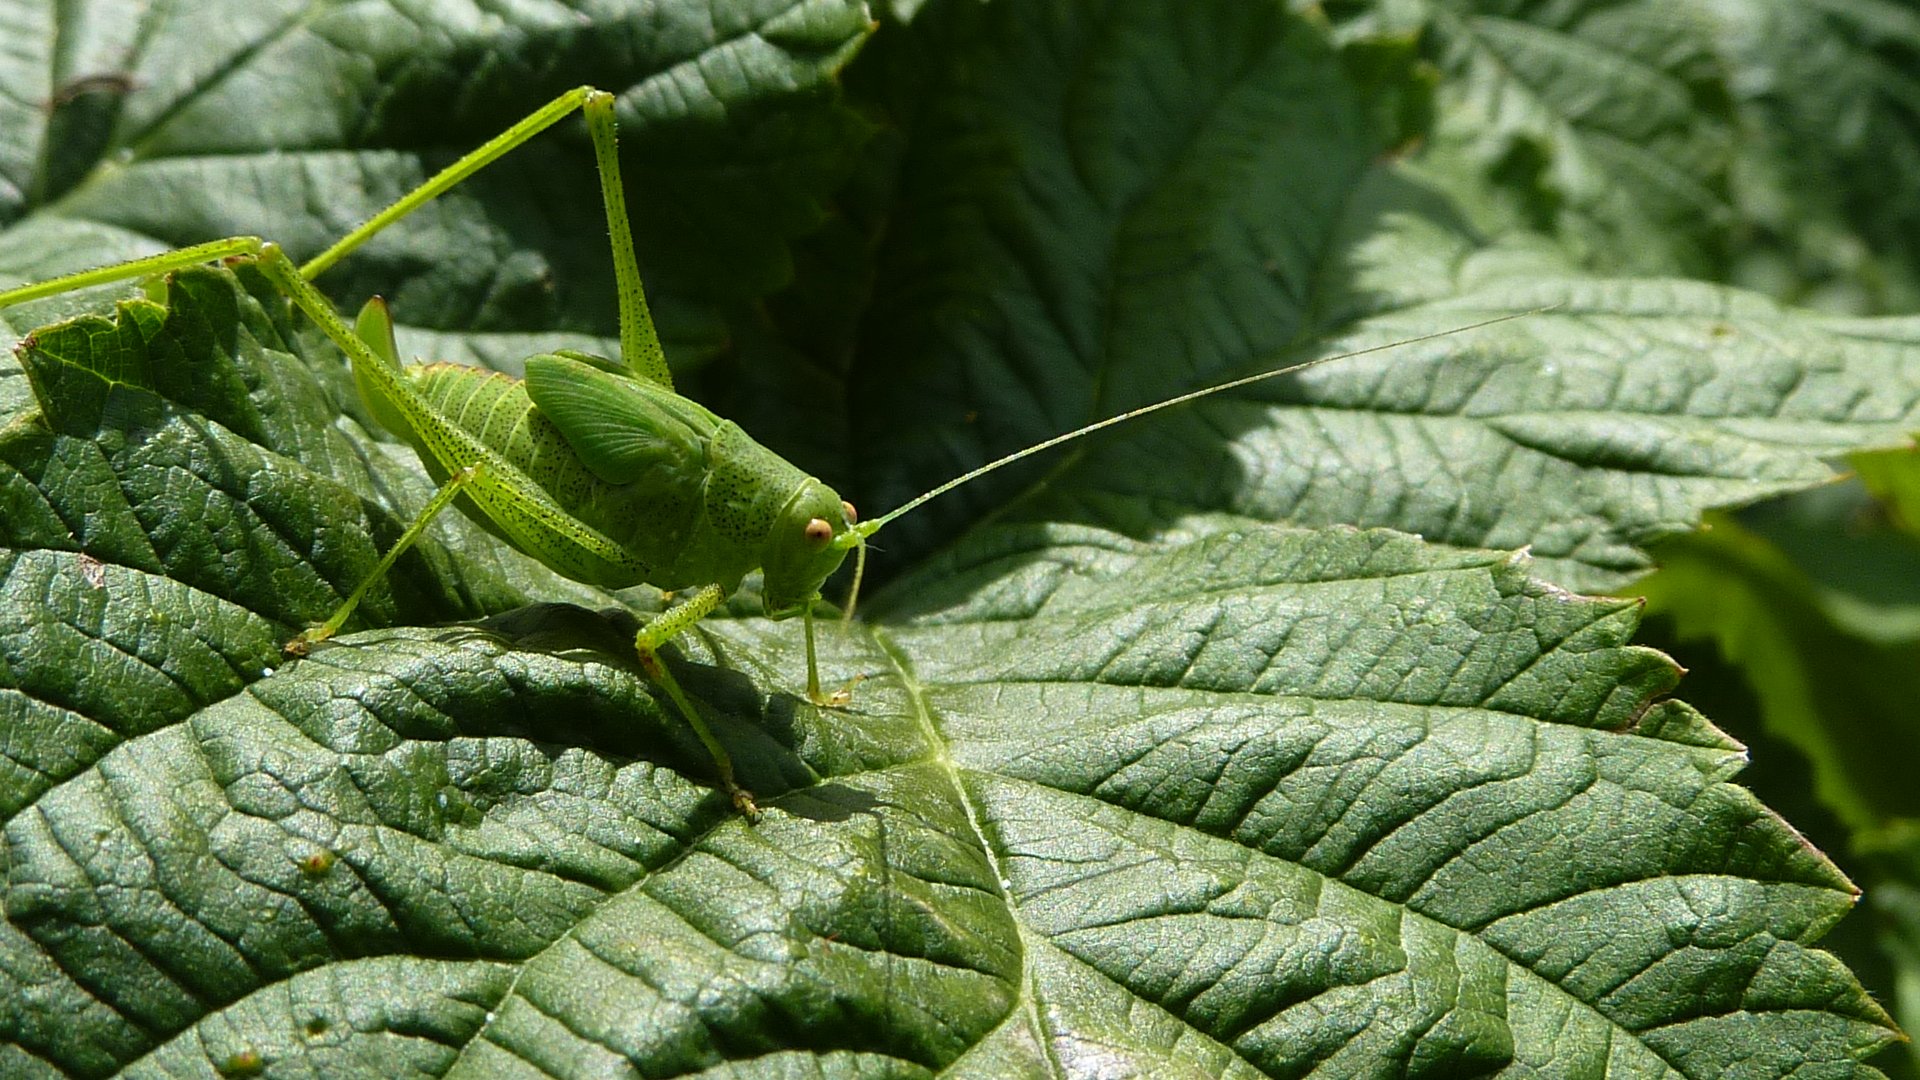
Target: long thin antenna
868,528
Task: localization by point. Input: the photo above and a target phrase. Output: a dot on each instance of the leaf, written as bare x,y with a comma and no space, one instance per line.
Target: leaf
1207,794
1770,145
1419,767
1896,854
1811,601
297,123
1009,834
1894,478
1838,691
1068,237
1583,432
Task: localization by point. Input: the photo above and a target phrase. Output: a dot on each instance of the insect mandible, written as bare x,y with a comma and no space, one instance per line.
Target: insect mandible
613,479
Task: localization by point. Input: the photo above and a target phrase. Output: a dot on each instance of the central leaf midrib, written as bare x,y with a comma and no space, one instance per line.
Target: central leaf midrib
1028,997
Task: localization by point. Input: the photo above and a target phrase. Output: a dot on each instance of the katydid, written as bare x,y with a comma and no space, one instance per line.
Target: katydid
597,468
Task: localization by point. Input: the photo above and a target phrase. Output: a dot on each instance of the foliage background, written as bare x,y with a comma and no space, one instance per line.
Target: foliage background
895,239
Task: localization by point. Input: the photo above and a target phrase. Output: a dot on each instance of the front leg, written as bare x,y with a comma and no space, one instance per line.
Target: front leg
303,644
647,643
838,699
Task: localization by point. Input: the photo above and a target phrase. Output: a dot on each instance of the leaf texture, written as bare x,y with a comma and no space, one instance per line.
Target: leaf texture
1192,761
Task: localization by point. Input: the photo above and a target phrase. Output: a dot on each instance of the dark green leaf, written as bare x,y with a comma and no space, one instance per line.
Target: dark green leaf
1169,771
1772,145
296,123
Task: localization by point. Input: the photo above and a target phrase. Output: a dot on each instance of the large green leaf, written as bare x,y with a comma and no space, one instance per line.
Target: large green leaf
1332,797
1163,773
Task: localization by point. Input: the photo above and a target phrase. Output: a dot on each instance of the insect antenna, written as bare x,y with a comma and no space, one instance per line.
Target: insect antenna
859,533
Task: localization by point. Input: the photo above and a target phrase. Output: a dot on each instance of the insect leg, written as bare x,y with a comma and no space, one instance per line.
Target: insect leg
839,698
486,154
813,664
639,345
647,643
501,491
132,268
299,646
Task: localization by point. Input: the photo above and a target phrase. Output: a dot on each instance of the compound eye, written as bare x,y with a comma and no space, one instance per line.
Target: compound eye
847,509
818,531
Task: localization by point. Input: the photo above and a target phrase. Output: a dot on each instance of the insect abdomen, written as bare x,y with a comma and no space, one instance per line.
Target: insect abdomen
495,408
650,520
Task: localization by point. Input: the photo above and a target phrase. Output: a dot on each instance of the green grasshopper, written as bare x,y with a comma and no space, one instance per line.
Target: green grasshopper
606,475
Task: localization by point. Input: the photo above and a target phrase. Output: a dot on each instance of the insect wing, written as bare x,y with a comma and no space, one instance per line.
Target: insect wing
621,429
374,325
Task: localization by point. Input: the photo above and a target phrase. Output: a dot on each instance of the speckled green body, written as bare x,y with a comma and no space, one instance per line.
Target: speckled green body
682,497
